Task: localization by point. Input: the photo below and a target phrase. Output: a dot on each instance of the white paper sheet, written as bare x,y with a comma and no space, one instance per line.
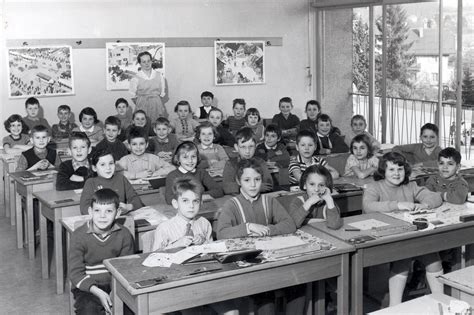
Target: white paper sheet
151,215
279,242
367,224
166,259
215,247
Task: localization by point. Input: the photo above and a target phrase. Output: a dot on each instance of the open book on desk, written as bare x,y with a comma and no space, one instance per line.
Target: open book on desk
36,175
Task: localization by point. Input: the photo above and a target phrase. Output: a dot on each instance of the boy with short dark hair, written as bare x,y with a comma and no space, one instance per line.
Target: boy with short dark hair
237,121
39,157
287,122
245,146
452,186
272,150
73,173
139,164
63,129
32,119
329,140
306,146
112,128
99,239
206,99
164,144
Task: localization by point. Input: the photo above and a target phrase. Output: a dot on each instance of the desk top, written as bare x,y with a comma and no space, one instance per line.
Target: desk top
344,235
462,279
34,177
425,305
128,270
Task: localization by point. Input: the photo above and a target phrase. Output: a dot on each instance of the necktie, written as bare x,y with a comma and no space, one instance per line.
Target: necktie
189,230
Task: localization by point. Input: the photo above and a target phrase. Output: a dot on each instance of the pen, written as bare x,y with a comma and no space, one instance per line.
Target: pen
446,210
351,229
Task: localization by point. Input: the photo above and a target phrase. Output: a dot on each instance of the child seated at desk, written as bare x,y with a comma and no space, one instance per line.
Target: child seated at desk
358,126
306,146
123,113
425,152
328,137
272,150
165,143
73,173
184,125
223,136
63,129
237,121
287,122
186,159
32,118
254,122
392,191
452,186
103,164
213,155
39,157
245,147
99,239
206,100
251,214
186,229
313,109
89,125
17,140
112,128
362,162
139,164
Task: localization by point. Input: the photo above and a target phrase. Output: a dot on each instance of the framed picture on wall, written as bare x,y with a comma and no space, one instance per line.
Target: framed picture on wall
40,71
122,63
239,62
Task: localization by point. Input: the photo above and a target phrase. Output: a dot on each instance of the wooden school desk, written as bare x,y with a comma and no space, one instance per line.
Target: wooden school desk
461,283
24,189
9,163
57,205
396,247
231,282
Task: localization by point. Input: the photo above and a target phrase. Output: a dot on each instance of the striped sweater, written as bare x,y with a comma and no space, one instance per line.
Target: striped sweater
88,251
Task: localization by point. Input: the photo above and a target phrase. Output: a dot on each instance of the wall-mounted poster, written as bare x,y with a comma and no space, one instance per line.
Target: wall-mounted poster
239,62
122,62
40,71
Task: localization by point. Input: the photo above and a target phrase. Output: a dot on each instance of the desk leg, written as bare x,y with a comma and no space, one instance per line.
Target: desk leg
319,295
117,303
43,244
19,221
343,287
357,298
58,256
11,197
30,222
142,304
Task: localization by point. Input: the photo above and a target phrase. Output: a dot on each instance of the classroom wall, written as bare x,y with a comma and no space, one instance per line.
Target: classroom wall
189,70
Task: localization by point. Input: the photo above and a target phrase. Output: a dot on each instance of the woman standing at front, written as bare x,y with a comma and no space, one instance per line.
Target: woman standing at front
147,88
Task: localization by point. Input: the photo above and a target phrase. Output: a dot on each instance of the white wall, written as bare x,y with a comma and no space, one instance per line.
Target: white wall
189,70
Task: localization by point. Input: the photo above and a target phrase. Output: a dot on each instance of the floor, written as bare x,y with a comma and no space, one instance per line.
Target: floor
22,290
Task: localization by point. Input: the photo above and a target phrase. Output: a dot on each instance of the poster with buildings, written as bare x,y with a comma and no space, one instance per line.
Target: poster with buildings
40,71
239,62
122,62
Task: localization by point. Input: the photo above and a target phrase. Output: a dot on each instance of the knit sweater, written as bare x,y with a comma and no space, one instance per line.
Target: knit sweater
211,187
65,171
381,196
415,153
117,183
234,124
316,211
135,166
232,219
213,156
230,170
456,189
332,141
279,155
224,137
289,126
88,251
164,150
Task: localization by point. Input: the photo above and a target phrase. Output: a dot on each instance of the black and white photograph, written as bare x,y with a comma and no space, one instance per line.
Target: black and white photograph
239,62
40,71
